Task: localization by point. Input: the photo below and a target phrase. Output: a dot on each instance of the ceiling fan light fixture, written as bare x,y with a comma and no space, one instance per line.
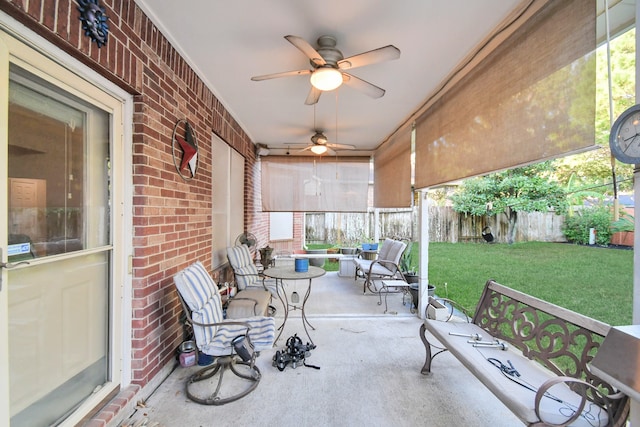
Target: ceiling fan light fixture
319,149
326,78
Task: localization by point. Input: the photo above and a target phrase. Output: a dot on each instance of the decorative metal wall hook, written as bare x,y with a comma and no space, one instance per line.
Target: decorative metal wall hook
94,21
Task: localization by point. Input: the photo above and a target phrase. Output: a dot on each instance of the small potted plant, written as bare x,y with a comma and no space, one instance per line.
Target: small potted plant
316,262
369,245
265,256
411,276
349,247
405,265
333,250
623,230
414,288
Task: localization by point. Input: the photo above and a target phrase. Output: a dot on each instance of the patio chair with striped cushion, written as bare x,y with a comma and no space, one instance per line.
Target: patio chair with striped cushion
245,271
232,343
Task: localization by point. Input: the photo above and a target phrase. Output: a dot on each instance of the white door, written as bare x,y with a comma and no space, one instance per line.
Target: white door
59,324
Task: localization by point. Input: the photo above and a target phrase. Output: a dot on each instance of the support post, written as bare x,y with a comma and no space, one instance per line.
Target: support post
634,417
376,225
423,240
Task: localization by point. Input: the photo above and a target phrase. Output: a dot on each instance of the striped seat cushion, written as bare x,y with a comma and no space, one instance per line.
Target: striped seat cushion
200,293
243,267
261,334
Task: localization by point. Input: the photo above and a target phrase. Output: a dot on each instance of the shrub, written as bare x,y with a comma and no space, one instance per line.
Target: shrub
576,227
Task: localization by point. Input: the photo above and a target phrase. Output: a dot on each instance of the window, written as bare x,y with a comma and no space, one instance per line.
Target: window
280,226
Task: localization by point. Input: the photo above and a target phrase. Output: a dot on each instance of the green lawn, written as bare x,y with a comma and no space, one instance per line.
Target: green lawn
594,281
597,282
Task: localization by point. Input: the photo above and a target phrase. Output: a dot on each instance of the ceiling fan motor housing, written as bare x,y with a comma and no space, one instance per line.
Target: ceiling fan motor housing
327,49
319,138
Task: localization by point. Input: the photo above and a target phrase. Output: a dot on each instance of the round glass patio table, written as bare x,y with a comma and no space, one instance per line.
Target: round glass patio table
280,274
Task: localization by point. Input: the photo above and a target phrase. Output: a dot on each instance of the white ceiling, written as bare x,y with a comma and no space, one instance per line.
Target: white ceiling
228,42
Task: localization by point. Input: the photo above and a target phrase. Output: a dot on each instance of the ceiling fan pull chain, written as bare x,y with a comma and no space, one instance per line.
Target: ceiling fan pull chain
336,151
337,118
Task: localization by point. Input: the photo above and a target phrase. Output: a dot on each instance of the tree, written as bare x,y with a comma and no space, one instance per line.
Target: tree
525,189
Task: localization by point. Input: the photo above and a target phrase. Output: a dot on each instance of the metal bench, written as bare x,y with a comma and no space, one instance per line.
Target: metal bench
531,354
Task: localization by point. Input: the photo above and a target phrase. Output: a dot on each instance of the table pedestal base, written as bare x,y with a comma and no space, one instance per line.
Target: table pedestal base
288,273
287,306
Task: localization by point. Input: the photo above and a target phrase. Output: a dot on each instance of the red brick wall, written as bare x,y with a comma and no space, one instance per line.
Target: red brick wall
172,217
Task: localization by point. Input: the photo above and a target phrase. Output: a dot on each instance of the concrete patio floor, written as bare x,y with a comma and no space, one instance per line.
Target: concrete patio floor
369,374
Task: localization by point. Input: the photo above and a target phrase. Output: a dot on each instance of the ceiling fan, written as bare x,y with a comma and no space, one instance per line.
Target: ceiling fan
329,65
320,144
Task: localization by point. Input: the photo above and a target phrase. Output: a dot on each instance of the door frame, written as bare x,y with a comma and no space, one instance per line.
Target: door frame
14,35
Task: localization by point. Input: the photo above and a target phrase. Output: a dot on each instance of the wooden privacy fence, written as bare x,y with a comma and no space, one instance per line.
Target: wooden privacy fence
445,225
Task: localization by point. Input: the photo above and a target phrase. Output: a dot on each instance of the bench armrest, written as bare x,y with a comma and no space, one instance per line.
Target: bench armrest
259,276
255,303
249,275
223,323
578,386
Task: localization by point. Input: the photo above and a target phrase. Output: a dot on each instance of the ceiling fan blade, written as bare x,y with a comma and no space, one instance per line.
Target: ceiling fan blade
381,54
287,145
283,74
313,96
341,146
308,147
363,86
307,49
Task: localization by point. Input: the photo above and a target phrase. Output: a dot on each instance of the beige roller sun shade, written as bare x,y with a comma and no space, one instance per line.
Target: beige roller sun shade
530,99
314,184
392,172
